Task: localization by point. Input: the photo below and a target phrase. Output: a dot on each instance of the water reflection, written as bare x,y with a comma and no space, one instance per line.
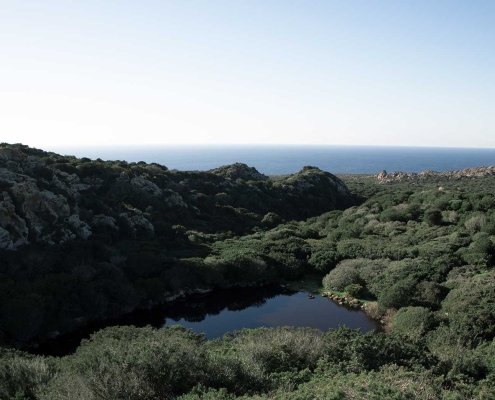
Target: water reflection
227,310
277,308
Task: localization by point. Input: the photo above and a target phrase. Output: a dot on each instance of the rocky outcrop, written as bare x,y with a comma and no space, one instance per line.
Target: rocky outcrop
138,221
13,229
29,214
50,198
146,186
384,177
239,171
70,183
81,228
9,177
41,208
310,177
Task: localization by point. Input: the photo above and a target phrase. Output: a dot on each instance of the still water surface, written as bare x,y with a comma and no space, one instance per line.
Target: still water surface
228,310
275,309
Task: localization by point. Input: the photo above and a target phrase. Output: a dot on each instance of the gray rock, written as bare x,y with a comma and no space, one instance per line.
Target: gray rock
146,186
138,221
7,176
384,177
18,230
72,187
81,228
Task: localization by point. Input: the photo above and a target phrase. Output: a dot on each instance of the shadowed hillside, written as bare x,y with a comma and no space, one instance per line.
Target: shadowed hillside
99,238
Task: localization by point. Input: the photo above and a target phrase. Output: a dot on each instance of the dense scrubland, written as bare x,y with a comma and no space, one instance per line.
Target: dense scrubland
117,236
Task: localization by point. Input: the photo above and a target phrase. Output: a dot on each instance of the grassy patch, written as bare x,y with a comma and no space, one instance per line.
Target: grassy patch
308,284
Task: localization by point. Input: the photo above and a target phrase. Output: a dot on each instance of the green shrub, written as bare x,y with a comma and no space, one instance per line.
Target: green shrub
398,295
471,308
413,321
344,274
132,363
271,220
354,290
24,376
433,217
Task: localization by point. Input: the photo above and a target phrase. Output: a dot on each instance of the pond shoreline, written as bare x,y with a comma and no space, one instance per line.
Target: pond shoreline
225,310
47,346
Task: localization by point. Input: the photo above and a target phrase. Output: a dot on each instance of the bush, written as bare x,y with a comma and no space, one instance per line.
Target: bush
344,274
433,217
271,220
23,376
323,259
353,290
132,363
470,308
372,309
398,295
413,321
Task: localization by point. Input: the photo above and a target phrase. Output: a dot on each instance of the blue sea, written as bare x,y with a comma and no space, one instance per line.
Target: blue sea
284,159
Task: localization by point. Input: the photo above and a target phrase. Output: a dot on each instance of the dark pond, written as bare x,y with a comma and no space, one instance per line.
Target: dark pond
227,310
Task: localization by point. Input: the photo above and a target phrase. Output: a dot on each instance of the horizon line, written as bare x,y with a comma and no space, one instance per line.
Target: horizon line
105,145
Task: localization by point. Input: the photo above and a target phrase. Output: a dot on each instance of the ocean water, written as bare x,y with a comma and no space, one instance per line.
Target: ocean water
276,160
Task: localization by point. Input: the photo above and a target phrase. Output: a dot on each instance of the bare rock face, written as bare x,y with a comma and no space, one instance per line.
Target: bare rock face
41,209
381,175
146,185
30,214
71,184
9,177
36,199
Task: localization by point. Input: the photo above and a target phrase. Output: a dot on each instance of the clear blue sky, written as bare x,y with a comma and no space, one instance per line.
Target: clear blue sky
299,72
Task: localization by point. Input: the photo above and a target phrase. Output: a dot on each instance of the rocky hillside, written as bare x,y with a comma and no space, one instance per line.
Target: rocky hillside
239,171
49,198
478,172
84,239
